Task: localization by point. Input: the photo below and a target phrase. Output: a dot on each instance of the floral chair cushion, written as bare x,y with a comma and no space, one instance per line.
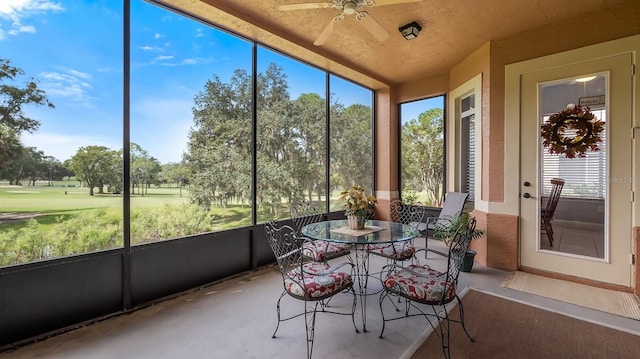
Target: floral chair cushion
397,251
421,283
321,251
308,285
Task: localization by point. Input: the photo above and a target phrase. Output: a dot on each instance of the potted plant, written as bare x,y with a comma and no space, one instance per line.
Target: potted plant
445,229
358,206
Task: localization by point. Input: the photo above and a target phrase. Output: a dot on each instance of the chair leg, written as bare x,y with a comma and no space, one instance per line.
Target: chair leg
278,312
325,304
444,328
462,319
548,229
440,325
310,323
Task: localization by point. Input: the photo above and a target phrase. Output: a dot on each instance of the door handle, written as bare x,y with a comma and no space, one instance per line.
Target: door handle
527,184
526,195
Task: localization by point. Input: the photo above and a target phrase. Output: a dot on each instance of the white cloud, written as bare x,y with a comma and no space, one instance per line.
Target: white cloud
63,146
171,61
14,12
151,48
67,83
163,58
18,7
22,28
108,69
79,74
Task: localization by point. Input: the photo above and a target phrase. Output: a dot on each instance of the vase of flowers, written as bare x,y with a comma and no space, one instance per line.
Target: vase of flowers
358,206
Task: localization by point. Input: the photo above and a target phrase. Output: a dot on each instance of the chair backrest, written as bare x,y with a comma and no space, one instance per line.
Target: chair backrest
554,197
306,212
412,214
453,206
286,246
458,248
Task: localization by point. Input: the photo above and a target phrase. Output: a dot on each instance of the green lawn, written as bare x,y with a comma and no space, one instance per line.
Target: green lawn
69,221
61,198
66,220
66,199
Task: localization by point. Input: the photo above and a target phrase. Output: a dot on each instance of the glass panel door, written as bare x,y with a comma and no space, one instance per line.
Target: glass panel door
591,225
577,223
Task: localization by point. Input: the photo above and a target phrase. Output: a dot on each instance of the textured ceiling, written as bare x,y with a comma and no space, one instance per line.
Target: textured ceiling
451,30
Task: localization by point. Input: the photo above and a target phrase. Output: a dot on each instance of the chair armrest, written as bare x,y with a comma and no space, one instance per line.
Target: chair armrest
387,269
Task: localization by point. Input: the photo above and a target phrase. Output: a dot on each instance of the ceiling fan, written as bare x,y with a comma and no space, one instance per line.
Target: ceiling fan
349,7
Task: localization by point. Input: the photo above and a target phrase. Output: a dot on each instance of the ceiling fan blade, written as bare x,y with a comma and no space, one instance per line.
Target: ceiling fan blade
393,2
317,5
324,35
373,27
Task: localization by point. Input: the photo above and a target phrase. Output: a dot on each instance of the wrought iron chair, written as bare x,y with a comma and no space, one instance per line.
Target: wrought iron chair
422,285
412,215
306,212
308,281
453,206
549,210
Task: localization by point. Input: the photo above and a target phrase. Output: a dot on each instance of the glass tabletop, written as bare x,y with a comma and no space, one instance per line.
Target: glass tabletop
374,231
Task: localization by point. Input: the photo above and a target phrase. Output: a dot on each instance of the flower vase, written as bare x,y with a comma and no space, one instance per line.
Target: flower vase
356,222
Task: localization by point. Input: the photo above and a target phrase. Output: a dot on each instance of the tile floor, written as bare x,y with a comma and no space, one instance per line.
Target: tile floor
580,238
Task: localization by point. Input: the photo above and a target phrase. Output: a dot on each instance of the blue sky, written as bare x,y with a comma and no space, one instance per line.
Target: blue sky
411,110
74,50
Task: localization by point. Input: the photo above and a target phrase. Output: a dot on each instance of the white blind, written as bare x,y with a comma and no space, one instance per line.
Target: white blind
468,143
584,177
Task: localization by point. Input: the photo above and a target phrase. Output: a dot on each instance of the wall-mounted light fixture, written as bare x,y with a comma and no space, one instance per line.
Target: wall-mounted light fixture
410,31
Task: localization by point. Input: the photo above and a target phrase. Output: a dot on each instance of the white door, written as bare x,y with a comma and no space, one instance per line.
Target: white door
598,193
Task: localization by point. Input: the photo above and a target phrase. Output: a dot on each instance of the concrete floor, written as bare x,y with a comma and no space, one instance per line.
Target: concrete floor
235,319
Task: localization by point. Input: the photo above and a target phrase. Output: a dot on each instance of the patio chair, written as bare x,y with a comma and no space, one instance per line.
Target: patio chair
306,212
453,206
412,215
549,210
311,282
421,285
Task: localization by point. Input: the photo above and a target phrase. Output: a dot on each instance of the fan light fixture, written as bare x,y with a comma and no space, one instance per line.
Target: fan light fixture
410,31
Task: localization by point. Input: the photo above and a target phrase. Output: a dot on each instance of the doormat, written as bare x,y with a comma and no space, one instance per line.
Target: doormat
605,300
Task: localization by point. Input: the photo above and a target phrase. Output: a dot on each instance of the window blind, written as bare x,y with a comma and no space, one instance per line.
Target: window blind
468,144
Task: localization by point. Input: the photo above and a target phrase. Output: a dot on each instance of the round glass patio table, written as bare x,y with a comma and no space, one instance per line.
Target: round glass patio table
374,232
